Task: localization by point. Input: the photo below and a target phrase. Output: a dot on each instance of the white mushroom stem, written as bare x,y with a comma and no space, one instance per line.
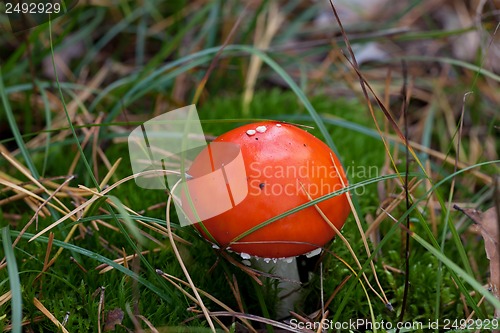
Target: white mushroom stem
289,286
287,270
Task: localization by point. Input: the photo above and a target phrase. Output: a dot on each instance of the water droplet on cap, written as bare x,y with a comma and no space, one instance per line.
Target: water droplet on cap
261,129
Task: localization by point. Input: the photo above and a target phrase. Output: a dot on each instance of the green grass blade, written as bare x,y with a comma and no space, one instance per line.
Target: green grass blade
48,126
141,42
129,222
351,187
262,304
15,284
15,129
172,44
46,85
459,271
454,62
117,28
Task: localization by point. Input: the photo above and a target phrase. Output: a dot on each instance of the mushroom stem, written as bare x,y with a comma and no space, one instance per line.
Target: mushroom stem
289,285
291,272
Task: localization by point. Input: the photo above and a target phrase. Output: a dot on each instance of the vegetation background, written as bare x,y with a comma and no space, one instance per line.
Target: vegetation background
426,76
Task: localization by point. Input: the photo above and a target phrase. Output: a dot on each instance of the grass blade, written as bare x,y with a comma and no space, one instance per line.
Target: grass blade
15,284
15,129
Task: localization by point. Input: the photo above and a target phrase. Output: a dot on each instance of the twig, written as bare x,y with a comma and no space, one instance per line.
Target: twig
407,194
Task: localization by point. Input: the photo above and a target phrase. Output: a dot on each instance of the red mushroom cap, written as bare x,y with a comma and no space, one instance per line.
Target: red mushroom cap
281,160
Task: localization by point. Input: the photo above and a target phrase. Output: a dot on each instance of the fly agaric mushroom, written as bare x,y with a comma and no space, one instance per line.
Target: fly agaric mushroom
285,166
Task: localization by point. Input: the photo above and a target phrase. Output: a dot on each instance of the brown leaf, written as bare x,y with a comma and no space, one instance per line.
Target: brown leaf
114,317
488,226
487,223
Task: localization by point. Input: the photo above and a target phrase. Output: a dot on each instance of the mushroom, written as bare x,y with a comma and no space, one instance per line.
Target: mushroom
284,166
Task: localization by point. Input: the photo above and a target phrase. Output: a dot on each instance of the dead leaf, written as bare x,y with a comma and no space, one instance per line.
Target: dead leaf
487,223
115,317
